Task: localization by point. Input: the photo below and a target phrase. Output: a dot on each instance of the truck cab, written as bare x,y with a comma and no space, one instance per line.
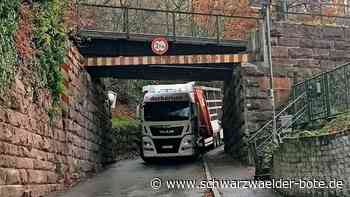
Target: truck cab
171,120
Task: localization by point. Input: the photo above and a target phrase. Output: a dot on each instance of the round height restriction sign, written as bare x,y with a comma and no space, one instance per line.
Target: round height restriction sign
160,46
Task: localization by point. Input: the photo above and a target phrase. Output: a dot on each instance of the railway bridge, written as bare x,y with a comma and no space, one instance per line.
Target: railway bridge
40,154
119,43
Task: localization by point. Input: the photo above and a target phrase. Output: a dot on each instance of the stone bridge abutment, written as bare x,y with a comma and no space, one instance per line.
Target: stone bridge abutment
42,151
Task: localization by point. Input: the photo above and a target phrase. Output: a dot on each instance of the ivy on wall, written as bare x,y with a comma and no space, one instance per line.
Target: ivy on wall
8,55
49,41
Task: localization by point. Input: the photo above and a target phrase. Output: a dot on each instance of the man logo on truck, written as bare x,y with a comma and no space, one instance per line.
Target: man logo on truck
166,131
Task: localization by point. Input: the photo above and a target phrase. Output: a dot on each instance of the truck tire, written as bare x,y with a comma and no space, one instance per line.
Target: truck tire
215,141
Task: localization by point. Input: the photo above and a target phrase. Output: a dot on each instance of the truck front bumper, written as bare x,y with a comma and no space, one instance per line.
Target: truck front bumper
151,150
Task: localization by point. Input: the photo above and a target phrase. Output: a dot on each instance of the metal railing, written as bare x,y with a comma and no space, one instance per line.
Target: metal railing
127,20
312,12
262,139
321,97
327,94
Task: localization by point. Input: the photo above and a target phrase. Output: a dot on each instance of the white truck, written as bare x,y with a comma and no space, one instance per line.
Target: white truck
180,119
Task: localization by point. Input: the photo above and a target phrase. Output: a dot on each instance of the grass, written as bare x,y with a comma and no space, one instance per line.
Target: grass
337,124
124,122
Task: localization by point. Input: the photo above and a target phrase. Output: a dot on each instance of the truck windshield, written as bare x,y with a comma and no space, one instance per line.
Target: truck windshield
167,111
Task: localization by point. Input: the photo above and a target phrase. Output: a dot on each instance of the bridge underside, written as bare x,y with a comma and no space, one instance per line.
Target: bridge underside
199,72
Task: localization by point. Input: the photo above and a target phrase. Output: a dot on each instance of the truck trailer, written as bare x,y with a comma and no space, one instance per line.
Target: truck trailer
179,120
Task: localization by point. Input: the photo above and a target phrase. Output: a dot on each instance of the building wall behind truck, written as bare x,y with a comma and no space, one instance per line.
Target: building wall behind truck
38,156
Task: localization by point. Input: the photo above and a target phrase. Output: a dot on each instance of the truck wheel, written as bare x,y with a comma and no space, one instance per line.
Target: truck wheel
211,146
148,160
196,154
216,144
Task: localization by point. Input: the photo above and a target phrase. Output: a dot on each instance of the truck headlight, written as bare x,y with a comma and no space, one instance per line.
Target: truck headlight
187,142
147,144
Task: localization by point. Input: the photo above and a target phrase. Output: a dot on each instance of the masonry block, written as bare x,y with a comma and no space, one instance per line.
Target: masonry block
37,152
333,33
300,53
289,42
280,52
313,158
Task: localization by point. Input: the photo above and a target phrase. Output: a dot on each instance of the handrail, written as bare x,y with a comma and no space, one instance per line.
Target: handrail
328,93
290,104
133,21
277,115
320,97
170,11
322,73
259,131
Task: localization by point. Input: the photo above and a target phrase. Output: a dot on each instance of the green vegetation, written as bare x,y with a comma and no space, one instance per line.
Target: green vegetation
37,33
8,55
334,125
317,128
51,41
124,123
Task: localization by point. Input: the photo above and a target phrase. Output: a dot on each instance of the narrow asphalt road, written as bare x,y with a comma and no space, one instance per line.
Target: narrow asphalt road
132,178
224,167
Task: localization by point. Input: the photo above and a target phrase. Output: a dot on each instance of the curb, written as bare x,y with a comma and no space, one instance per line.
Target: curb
214,190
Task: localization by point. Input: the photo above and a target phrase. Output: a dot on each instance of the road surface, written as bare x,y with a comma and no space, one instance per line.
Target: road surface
132,178
224,167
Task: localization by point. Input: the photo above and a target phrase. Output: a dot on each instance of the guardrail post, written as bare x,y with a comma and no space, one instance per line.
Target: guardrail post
217,29
308,101
346,86
294,97
174,25
126,21
192,25
327,98
114,21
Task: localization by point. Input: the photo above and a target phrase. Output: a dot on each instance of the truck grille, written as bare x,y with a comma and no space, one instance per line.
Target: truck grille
173,131
167,145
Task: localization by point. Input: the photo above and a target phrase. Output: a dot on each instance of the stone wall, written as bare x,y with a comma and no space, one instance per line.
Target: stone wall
41,152
247,106
308,49
320,158
257,103
298,52
233,116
